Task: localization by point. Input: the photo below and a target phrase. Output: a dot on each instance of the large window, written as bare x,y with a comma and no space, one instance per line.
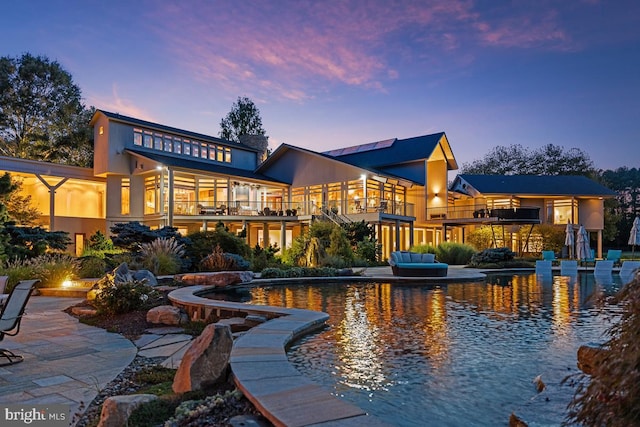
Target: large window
562,211
174,144
151,194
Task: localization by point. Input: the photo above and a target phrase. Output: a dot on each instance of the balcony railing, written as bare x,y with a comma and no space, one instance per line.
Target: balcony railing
276,208
500,214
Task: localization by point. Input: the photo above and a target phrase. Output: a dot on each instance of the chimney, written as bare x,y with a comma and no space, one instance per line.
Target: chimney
259,142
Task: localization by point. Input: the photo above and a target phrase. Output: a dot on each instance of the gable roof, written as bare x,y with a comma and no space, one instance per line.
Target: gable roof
532,185
395,151
284,148
162,128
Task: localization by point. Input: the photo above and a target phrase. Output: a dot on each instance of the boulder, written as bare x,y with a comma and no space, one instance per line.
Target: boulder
590,357
84,311
117,409
217,278
145,275
167,315
206,361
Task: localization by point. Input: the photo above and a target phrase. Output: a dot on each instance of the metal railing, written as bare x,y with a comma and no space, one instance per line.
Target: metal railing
339,210
519,213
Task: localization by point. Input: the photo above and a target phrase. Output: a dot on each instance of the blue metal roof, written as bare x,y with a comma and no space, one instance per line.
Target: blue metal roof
550,185
384,153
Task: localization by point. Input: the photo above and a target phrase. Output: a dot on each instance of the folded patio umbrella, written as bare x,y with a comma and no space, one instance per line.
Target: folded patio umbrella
583,248
568,239
634,236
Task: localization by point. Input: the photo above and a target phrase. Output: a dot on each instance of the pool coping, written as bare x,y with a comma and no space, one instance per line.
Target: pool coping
262,370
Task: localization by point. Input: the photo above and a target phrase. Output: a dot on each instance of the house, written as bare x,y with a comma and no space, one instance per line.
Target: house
509,202
161,175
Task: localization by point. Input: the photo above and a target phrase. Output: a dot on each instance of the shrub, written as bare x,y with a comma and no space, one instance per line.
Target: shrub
203,243
264,257
454,253
99,242
368,250
492,256
423,249
92,266
162,256
124,297
480,238
222,261
273,273
611,397
53,269
17,270
130,235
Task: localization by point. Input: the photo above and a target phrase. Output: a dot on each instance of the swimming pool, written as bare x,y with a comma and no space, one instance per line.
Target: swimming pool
450,355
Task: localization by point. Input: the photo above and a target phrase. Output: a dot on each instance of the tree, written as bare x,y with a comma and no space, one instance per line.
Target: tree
19,207
518,160
243,119
41,114
626,182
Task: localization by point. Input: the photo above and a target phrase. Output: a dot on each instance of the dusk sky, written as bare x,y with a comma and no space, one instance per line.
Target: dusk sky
329,74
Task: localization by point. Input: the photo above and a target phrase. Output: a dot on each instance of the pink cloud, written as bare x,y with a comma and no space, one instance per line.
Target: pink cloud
116,104
296,49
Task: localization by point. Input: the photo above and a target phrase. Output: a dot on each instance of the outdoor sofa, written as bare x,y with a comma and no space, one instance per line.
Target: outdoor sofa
405,263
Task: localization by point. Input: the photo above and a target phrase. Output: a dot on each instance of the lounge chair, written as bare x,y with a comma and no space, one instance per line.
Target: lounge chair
628,270
3,286
614,255
11,316
548,255
603,267
543,267
568,267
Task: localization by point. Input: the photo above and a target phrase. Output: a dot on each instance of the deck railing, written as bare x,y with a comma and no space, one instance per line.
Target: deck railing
277,208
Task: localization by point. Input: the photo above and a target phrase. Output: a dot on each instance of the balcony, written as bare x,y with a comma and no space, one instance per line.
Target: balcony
276,208
486,215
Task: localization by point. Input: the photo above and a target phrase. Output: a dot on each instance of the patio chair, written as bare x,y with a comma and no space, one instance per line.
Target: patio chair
549,256
11,316
614,255
603,267
383,206
628,270
543,267
568,267
3,286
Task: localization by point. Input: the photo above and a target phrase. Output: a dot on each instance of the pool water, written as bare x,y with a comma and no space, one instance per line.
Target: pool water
453,355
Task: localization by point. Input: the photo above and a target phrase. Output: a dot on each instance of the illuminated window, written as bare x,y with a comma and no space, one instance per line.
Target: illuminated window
167,144
195,150
212,152
125,196
157,142
177,146
562,211
151,190
186,147
148,141
227,155
220,154
203,151
137,137
101,130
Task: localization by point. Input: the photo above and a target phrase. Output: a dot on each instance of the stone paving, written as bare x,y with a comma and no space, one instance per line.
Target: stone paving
67,362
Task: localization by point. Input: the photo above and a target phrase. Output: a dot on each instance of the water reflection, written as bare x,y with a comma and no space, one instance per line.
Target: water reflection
460,354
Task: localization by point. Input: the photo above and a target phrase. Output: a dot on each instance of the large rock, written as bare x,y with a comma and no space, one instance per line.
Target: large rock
206,361
167,315
116,410
590,357
122,274
217,278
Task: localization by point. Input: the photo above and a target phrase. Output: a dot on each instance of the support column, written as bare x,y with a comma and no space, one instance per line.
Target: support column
171,198
265,234
599,244
398,242
52,199
283,235
411,231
